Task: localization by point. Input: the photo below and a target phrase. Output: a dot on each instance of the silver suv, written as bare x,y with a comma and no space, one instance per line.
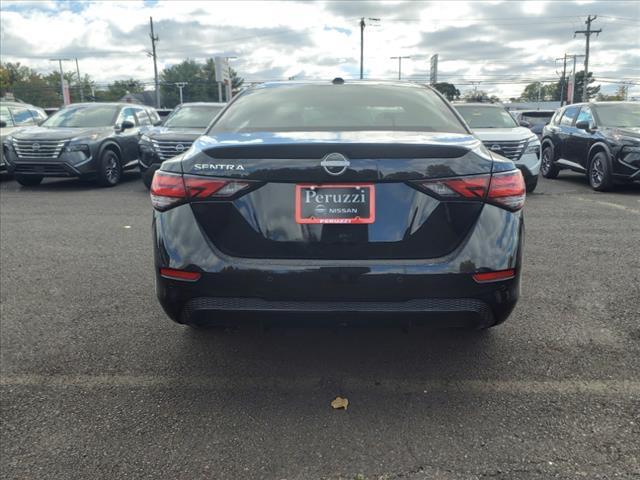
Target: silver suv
15,115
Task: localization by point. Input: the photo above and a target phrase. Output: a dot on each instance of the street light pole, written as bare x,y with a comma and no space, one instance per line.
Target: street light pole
399,65
181,85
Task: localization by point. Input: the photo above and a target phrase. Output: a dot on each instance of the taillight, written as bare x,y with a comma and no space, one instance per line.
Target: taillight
506,189
171,189
474,188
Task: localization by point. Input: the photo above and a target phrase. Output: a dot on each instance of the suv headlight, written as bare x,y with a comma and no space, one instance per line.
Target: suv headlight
144,138
533,146
78,147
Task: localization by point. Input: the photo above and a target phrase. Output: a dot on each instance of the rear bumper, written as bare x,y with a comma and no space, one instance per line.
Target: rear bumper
421,290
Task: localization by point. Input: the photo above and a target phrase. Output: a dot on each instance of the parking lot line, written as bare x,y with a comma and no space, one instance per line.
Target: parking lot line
566,387
611,204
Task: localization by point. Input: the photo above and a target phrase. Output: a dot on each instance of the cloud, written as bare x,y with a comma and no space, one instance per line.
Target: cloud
497,43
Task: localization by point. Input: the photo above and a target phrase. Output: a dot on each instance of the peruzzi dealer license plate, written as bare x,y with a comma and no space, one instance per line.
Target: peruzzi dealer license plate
335,203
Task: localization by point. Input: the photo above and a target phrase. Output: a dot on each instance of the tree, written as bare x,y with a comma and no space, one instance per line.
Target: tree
480,96
118,89
591,91
621,94
201,82
448,90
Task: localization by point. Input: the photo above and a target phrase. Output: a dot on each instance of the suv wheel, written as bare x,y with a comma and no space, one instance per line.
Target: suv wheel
109,169
548,169
600,172
29,180
531,183
147,175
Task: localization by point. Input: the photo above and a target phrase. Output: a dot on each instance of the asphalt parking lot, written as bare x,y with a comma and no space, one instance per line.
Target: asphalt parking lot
97,383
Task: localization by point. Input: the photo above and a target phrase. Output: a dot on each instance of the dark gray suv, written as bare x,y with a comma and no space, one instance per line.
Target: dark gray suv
87,140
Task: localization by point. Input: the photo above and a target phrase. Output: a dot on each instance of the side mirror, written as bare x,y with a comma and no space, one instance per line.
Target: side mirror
525,124
583,125
127,124
3,124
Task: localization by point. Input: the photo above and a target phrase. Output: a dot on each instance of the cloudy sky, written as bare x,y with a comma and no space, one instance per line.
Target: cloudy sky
495,45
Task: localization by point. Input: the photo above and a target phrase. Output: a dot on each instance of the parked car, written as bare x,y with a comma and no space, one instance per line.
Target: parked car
344,198
501,134
95,140
599,139
534,120
186,123
16,115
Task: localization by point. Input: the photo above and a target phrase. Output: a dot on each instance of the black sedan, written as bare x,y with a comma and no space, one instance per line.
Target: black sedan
600,139
340,199
87,140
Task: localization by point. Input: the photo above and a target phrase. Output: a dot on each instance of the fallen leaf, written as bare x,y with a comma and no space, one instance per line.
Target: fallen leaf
340,402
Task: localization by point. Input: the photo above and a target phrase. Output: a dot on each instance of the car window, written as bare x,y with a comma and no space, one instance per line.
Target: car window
83,116
127,114
347,107
486,117
153,115
21,116
536,118
142,116
192,116
585,115
5,116
569,115
37,115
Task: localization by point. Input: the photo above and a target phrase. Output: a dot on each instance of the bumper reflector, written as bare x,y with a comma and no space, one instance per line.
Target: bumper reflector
486,277
174,274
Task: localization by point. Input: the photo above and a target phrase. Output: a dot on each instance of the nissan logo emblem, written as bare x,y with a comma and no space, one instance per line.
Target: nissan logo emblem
335,164
495,148
179,148
35,146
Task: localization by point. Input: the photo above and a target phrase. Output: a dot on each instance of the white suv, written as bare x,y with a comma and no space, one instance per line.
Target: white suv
501,134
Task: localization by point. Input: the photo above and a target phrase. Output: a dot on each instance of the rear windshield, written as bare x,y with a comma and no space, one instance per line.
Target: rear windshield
486,117
537,118
619,115
83,116
354,107
192,117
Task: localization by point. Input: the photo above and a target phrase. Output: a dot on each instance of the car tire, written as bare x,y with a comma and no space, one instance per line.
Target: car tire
600,177
29,180
147,176
547,167
531,183
109,169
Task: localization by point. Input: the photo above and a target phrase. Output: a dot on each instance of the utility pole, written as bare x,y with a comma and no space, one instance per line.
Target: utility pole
181,85
60,60
399,65
588,32
79,82
154,39
362,25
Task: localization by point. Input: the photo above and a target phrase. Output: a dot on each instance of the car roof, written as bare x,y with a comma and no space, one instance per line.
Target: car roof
478,104
340,81
115,104
202,104
12,103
